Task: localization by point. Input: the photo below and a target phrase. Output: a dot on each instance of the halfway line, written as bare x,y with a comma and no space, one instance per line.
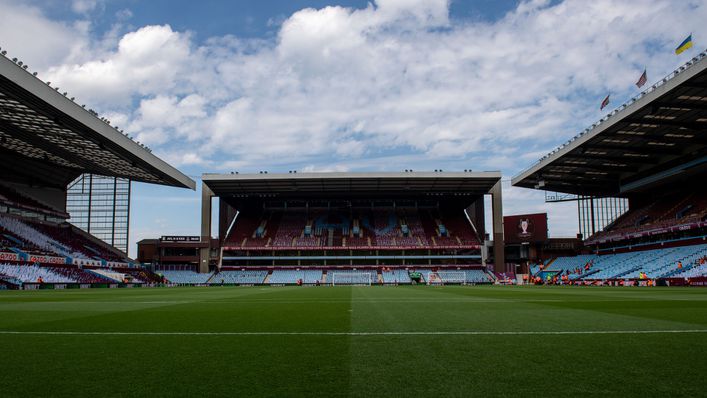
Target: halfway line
450,333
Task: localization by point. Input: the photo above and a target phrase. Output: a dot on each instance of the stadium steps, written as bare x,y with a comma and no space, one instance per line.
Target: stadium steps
13,239
620,274
110,275
590,273
212,278
324,277
677,272
267,278
18,251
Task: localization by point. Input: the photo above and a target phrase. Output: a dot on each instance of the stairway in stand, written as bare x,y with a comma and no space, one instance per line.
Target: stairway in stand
266,281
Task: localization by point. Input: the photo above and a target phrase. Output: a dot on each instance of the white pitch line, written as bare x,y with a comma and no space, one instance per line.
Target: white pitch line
421,333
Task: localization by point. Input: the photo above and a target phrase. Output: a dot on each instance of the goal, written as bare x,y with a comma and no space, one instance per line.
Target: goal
446,277
352,278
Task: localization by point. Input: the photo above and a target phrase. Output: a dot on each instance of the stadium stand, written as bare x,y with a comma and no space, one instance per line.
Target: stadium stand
33,273
10,242
381,227
48,142
188,277
665,214
396,276
27,233
652,264
564,264
11,197
292,276
243,277
79,275
477,276
52,239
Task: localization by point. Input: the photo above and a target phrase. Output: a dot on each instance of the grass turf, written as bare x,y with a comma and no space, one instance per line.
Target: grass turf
168,363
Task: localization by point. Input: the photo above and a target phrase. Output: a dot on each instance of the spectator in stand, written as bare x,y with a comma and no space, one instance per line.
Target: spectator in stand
679,264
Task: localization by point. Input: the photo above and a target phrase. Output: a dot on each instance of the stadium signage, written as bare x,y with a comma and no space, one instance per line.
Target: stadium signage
9,257
658,231
276,248
525,228
180,239
47,260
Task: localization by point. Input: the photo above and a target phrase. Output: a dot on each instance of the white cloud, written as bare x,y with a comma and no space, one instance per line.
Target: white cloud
146,62
394,85
26,33
83,6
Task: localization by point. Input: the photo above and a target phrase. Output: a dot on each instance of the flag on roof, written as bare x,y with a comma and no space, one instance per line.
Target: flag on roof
687,43
642,80
604,103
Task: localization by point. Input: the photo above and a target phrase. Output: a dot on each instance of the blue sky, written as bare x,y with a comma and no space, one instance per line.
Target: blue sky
217,86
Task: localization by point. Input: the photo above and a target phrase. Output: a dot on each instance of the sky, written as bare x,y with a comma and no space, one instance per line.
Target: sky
383,85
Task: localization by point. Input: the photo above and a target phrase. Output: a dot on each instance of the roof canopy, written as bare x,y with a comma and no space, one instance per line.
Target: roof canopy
658,137
321,185
47,139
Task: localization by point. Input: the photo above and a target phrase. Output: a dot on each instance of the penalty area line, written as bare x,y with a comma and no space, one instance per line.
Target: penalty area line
419,333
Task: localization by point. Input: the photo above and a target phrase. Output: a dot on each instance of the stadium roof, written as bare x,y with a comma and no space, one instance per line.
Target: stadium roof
658,137
354,184
48,139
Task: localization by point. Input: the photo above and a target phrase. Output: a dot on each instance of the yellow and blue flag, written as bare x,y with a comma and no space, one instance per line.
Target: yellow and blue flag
687,43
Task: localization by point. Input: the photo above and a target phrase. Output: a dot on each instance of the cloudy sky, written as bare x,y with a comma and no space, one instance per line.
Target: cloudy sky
217,86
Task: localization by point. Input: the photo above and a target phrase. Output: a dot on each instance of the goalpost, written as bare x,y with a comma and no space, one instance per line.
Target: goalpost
446,277
352,278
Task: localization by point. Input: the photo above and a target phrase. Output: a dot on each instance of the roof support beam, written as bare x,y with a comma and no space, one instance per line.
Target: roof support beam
657,149
691,126
53,149
695,105
623,159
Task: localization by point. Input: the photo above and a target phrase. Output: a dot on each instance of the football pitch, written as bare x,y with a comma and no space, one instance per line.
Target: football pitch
413,341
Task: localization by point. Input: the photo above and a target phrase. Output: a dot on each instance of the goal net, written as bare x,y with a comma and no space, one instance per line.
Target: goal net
352,278
446,277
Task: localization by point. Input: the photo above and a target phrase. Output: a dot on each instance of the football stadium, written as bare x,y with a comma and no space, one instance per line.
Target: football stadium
355,283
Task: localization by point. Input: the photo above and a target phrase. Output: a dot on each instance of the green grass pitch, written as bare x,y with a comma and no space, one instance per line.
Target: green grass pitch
451,341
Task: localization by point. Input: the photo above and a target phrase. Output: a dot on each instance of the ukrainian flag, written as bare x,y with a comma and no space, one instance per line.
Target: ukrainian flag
687,43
